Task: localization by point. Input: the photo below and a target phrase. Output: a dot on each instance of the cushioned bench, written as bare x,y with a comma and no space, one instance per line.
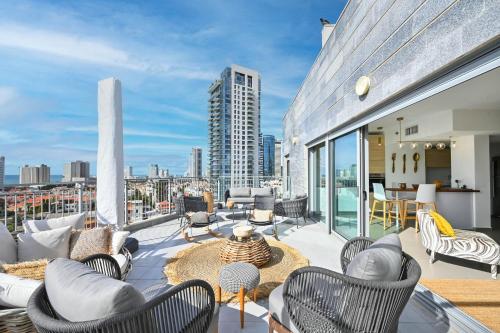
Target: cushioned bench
469,245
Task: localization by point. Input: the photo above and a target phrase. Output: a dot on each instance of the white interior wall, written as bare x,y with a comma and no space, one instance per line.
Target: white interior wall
410,177
470,164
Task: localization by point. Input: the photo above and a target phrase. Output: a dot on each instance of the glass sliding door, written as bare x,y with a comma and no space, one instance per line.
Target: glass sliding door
345,185
317,182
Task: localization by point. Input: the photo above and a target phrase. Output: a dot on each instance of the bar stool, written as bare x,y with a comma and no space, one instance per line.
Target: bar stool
426,197
379,197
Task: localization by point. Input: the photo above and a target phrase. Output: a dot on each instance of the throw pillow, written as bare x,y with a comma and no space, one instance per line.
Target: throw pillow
15,292
44,244
69,282
442,224
77,221
8,246
85,243
34,270
262,215
118,238
208,197
230,204
381,261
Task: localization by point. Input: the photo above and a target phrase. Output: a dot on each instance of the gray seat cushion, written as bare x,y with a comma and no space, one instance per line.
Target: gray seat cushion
239,275
278,311
8,246
77,221
239,192
242,200
265,191
16,291
44,244
381,261
69,283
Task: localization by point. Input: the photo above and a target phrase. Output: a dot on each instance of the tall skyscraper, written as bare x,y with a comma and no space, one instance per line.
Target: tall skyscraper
76,171
153,171
128,172
34,174
268,154
2,172
234,125
195,161
278,167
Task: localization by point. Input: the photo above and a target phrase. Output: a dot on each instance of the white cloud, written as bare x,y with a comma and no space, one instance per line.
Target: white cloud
7,138
7,94
163,134
66,45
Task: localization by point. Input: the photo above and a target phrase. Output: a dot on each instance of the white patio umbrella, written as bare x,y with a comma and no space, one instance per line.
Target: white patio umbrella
110,182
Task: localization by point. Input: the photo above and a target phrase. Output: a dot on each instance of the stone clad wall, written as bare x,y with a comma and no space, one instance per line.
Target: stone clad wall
396,43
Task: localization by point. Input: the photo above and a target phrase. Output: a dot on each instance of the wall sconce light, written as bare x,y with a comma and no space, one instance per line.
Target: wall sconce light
414,145
362,86
453,144
428,146
295,140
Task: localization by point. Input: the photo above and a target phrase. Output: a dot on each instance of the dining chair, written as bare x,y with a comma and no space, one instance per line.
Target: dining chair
426,197
380,198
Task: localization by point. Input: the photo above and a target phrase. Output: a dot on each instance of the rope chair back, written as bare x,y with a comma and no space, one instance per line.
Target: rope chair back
179,206
318,299
264,202
187,307
195,204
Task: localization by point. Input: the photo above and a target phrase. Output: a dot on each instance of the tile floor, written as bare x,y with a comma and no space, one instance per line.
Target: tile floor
158,243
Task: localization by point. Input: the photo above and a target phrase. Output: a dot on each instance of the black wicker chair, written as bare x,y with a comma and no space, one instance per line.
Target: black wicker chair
180,209
194,205
187,307
320,300
105,264
294,208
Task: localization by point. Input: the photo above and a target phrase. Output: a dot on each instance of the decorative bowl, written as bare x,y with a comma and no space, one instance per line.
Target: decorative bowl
243,231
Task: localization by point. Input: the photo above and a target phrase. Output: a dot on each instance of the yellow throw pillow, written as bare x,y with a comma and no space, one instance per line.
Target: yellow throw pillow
230,204
443,226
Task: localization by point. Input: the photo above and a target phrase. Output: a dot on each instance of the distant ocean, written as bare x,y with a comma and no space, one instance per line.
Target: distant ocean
14,179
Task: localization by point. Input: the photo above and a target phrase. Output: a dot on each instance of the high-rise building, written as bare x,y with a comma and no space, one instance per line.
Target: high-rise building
268,154
153,171
2,172
76,171
195,160
128,172
163,173
234,125
39,174
278,168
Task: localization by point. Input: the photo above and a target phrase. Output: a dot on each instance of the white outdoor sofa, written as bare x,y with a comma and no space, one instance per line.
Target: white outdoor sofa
470,245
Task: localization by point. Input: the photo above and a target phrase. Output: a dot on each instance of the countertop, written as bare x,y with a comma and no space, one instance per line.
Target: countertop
443,189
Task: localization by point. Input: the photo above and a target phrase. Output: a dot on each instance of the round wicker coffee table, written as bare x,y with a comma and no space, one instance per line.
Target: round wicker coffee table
253,250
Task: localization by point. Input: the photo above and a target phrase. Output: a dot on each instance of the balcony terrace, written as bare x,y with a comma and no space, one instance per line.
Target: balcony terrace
157,227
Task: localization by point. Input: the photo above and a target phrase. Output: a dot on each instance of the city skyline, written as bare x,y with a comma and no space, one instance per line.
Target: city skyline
51,64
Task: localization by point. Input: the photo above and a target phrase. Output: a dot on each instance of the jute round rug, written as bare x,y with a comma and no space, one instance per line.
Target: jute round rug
201,261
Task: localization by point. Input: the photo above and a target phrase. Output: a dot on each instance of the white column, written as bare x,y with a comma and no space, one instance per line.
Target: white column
110,183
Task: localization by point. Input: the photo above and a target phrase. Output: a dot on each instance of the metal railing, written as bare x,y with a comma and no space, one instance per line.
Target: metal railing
145,197
23,202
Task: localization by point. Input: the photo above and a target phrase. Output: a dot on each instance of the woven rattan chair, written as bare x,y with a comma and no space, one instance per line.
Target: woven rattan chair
17,320
320,300
294,209
180,209
187,307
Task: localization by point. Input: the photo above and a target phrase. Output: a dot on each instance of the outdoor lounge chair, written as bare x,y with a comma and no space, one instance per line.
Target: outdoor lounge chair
187,307
315,299
193,207
470,245
263,203
293,208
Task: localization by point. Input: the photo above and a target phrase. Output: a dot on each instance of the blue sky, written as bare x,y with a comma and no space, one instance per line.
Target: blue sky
165,53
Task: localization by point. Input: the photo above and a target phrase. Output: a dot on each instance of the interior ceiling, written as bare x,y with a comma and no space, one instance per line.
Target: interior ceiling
479,93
